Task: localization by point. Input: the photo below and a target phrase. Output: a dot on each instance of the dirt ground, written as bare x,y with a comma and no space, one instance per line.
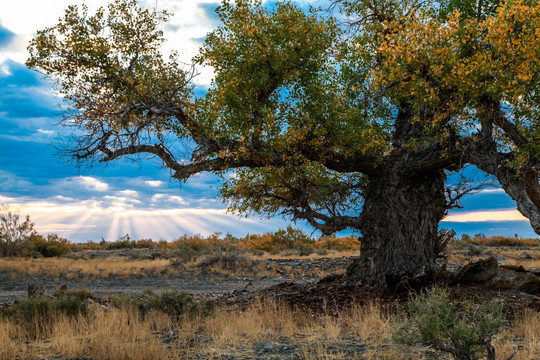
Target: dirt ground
199,280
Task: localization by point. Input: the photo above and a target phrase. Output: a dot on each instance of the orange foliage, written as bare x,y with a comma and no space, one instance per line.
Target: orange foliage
257,242
505,241
351,242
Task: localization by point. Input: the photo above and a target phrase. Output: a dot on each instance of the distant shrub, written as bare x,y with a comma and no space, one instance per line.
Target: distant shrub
144,244
322,252
256,242
259,242
290,240
480,239
346,243
72,302
226,261
505,241
462,329
13,231
89,245
456,244
50,246
186,253
171,302
42,309
474,249
188,248
124,242
162,244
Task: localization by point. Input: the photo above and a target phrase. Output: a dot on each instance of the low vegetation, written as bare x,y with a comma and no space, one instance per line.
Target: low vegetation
463,329
18,238
505,241
173,325
171,302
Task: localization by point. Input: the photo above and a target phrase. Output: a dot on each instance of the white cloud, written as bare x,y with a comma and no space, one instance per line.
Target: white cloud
478,216
6,200
492,191
91,183
47,132
128,193
157,197
63,198
120,203
164,198
154,183
4,71
177,199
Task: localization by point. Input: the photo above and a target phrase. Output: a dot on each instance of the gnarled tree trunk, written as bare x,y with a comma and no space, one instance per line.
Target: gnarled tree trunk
400,240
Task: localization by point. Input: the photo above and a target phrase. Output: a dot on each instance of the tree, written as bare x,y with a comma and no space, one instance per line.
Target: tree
13,231
353,120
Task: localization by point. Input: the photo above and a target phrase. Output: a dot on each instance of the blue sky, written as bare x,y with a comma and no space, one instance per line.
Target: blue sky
135,198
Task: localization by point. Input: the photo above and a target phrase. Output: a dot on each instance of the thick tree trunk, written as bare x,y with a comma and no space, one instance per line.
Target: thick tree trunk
400,240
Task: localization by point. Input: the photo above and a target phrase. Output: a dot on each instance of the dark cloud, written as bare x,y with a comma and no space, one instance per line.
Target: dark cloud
6,36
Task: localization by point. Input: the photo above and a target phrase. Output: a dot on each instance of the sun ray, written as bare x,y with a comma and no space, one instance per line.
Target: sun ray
112,234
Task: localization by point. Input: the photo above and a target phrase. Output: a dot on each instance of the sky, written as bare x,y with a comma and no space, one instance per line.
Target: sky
138,199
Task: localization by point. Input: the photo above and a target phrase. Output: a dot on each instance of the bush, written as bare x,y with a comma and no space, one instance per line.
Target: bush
171,302
43,309
351,242
462,329
51,246
13,231
227,261
188,248
505,241
481,239
124,242
290,239
144,244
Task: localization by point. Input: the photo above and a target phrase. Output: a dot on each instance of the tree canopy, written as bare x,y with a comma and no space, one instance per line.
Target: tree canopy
315,111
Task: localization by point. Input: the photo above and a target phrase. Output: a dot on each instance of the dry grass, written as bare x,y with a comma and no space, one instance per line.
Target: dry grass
527,326
113,334
524,340
99,267
125,334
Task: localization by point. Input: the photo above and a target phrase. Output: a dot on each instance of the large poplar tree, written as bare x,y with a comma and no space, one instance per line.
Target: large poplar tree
348,120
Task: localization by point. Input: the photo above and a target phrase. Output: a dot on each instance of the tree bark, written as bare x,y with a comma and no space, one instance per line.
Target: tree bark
400,237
